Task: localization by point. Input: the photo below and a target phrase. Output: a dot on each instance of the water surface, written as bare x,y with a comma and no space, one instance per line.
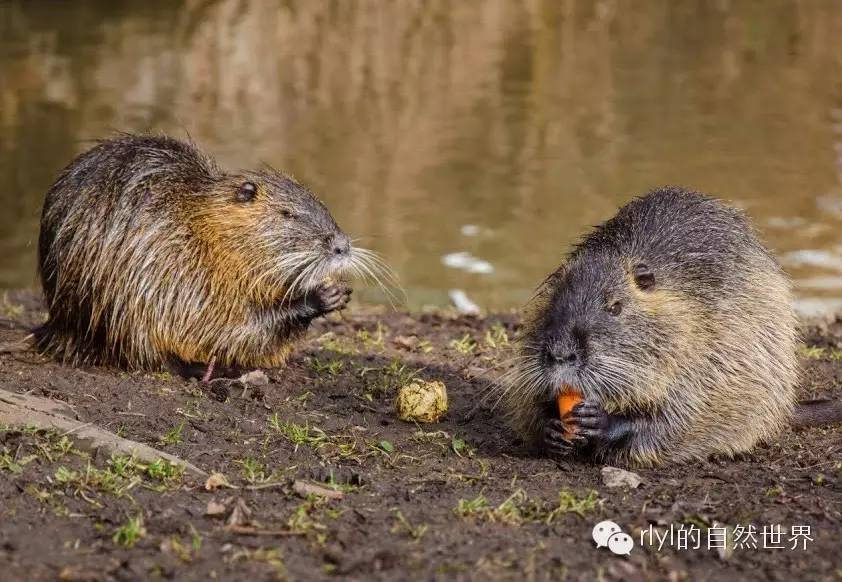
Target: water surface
468,142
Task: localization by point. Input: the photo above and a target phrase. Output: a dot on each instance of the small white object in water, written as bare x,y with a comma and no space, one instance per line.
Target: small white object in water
831,204
817,306
467,262
470,229
826,283
813,258
785,223
462,302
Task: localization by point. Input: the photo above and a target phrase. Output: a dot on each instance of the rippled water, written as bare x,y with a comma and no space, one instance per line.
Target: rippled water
468,142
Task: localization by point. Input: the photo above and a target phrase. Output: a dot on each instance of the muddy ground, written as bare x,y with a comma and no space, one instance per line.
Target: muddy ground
457,499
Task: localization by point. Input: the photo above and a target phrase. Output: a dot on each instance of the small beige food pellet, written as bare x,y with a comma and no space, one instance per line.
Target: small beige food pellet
421,401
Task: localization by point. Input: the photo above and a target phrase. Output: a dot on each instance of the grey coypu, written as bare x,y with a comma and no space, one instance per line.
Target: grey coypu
152,257
675,324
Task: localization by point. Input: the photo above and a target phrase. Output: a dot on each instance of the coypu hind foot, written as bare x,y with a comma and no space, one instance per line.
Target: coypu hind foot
204,371
676,325
152,257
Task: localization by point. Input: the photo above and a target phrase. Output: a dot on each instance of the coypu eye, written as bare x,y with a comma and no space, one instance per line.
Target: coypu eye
246,192
286,213
615,308
644,277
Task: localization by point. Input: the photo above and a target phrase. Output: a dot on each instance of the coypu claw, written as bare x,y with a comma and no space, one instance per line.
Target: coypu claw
556,439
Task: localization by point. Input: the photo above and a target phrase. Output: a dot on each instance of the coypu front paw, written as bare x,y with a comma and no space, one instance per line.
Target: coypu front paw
557,439
599,429
330,296
588,419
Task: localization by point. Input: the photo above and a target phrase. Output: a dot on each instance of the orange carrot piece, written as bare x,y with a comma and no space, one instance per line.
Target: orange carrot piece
567,399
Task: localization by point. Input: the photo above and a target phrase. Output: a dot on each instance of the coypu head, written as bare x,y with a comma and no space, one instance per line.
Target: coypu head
641,301
275,234
602,331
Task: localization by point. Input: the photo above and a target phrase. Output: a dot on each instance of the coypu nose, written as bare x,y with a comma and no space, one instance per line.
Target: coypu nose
573,351
341,245
560,355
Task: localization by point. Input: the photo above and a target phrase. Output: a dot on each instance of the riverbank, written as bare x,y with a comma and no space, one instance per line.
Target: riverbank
321,479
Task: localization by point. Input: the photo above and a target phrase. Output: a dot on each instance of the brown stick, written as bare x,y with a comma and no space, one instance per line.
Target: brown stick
44,413
245,530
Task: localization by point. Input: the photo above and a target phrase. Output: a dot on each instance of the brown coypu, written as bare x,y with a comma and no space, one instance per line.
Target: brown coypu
676,325
152,257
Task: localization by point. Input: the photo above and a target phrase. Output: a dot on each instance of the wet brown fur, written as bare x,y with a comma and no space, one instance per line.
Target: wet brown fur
146,257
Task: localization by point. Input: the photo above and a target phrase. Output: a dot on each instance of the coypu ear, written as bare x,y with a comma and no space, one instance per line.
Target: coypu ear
644,278
246,192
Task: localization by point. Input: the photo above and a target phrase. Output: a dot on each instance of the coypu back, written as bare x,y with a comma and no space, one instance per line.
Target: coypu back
675,322
151,256
96,204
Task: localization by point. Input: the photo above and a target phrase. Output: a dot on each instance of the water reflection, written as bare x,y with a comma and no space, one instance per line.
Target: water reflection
527,120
